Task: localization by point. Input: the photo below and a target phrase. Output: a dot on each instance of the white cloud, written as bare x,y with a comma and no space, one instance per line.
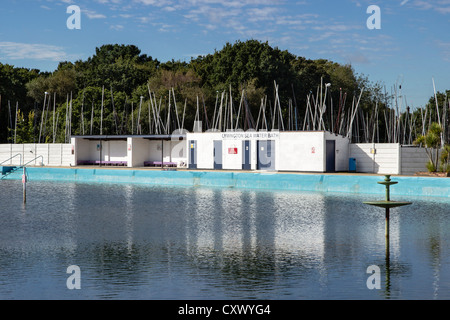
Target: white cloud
117,27
93,15
441,6
445,49
18,51
156,3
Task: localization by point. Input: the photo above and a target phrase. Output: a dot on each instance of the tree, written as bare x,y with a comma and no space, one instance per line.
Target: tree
252,67
432,143
445,159
13,90
121,67
23,131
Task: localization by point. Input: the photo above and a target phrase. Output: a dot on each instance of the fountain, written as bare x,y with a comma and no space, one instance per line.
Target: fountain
387,204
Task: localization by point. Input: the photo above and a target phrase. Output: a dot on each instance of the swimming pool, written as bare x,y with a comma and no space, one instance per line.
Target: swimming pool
354,184
140,241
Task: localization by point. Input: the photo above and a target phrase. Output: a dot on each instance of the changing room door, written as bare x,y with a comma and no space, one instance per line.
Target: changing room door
266,155
218,154
246,163
331,156
193,154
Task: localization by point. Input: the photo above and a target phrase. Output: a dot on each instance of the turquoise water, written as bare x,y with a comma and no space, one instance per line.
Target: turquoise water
134,241
354,184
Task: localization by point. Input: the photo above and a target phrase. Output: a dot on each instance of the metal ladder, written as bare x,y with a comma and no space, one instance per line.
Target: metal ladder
11,167
20,167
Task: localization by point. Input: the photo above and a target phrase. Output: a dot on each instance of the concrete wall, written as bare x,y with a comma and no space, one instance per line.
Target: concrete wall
48,154
413,160
381,158
388,158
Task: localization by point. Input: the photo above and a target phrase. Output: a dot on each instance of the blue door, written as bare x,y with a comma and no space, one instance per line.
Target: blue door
246,163
266,155
193,154
331,156
218,154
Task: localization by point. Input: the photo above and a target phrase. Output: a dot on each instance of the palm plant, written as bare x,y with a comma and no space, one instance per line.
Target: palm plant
432,143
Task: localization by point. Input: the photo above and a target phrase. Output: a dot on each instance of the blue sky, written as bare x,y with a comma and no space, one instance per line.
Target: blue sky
411,48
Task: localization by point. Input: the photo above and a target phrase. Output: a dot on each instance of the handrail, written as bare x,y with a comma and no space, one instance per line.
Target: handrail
19,154
33,160
21,166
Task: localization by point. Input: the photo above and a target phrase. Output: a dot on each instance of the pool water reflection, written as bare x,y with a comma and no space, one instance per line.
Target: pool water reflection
139,242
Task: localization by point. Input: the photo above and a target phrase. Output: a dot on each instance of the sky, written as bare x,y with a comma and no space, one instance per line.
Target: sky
410,46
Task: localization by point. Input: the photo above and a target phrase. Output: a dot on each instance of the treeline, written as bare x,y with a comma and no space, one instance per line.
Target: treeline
120,90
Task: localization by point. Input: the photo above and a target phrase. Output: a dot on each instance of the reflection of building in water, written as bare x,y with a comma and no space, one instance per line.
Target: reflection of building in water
260,231
243,225
129,215
300,224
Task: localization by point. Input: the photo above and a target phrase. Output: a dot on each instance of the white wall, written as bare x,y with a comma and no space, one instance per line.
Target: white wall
178,152
232,161
117,150
48,154
380,158
306,151
138,151
83,149
301,151
389,158
205,148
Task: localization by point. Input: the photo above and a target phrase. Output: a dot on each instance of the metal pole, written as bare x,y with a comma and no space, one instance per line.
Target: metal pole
387,227
100,153
388,198
24,183
162,154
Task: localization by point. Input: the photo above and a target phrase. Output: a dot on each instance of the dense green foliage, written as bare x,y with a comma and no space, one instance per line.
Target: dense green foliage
120,78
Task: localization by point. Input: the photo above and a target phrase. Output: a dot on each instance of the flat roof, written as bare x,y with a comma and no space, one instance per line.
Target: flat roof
166,137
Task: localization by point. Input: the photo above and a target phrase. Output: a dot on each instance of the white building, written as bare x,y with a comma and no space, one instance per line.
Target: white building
315,151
